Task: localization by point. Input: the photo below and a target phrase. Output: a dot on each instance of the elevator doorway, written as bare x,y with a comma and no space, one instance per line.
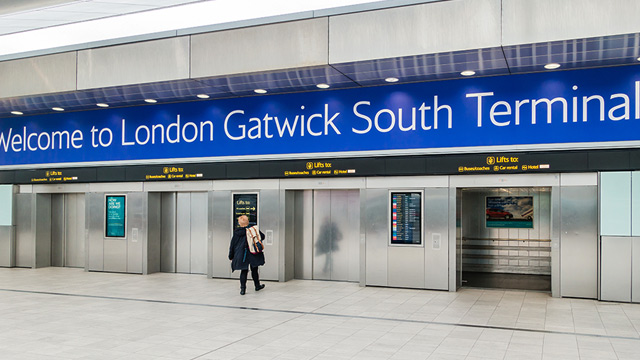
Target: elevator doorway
184,229
68,230
505,238
326,235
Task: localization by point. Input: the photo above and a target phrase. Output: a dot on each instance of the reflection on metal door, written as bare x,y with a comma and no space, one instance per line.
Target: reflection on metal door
67,230
190,233
336,231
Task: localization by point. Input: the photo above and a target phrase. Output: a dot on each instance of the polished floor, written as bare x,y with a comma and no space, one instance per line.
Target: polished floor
58,313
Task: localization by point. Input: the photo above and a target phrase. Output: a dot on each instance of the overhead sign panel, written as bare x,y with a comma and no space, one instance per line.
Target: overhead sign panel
577,109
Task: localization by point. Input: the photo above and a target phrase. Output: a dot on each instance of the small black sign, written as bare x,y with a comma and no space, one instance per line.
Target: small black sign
245,204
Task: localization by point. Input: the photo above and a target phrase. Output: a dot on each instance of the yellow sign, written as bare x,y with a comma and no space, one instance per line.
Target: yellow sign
172,173
54,176
318,168
502,163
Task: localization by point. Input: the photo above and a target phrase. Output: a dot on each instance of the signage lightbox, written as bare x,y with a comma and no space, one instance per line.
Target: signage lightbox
116,216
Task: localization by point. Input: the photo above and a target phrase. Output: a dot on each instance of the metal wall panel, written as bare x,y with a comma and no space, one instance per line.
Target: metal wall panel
154,234
7,246
413,30
533,21
168,233
615,281
555,240
579,241
269,213
58,232
635,269
615,203
95,231
137,225
43,230
261,48
198,233
436,255
115,255
221,234
377,231
290,236
183,233
406,266
142,62
38,75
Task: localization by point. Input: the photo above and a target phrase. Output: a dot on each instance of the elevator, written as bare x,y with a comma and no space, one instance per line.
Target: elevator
506,238
326,229
68,230
184,229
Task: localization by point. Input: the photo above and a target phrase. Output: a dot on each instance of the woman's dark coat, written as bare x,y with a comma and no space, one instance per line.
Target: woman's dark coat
239,253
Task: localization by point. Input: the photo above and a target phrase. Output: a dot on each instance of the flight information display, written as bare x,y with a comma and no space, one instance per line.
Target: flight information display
406,218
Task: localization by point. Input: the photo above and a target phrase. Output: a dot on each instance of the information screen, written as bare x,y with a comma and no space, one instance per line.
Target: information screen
245,204
116,215
406,218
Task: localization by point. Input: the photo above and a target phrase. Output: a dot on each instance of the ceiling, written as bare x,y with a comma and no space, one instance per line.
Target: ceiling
24,15
20,15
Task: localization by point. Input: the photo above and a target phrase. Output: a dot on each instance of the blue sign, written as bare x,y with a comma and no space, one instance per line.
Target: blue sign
579,108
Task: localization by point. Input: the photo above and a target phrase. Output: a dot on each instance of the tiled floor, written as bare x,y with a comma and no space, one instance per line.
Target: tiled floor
58,313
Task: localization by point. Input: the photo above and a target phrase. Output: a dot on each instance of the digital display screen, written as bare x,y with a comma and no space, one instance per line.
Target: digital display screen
509,212
406,218
245,204
116,216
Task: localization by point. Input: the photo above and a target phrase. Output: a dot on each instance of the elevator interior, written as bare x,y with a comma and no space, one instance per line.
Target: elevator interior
499,249
326,228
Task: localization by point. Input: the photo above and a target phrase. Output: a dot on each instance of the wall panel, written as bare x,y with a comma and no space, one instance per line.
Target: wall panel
142,62
412,30
261,48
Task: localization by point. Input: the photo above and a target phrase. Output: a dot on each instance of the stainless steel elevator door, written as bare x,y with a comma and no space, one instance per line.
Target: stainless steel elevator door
336,232
74,230
184,232
67,230
24,231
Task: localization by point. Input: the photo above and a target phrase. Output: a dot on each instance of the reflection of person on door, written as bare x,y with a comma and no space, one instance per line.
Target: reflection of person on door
327,242
242,259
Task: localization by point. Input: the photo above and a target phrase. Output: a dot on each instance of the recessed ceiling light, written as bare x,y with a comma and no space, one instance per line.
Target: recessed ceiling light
468,73
260,91
103,105
151,101
552,66
17,113
391,79
638,59
323,86
57,109
203,96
